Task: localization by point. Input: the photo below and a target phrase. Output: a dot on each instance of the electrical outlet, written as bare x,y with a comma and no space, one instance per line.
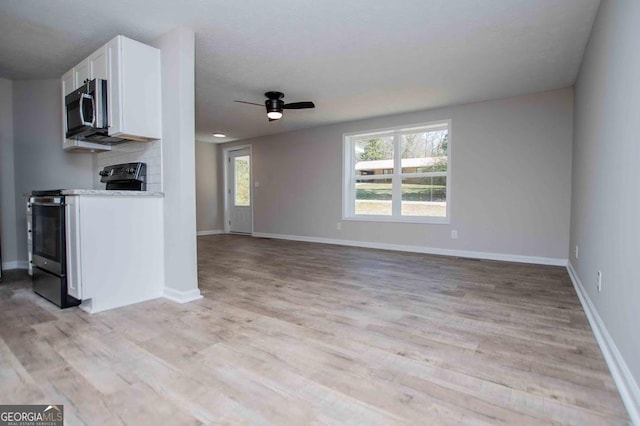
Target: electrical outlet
339,226
576,252
454,234
599,282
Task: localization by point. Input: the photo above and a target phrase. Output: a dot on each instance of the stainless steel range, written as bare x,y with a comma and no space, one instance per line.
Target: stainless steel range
49,233
125,177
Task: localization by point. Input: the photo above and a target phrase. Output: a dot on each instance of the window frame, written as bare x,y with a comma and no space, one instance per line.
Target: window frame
349,176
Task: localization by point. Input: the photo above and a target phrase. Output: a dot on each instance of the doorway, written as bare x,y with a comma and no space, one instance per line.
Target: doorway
238,191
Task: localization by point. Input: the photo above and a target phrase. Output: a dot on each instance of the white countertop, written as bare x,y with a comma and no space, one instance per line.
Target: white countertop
111,193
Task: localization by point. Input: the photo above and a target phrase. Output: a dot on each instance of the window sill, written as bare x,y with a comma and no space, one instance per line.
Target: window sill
419,220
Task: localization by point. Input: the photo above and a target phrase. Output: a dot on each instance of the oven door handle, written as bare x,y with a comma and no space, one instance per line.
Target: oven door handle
47,201
49,204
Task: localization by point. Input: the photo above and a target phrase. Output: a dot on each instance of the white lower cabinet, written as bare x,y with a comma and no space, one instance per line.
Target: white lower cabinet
114,250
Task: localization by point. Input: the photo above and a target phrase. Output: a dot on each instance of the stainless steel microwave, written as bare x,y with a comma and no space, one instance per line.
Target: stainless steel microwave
86,113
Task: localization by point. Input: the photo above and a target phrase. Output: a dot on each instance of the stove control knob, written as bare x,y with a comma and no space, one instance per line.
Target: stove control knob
130,170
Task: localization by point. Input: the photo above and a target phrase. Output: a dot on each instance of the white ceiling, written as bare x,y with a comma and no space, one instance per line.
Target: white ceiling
354,59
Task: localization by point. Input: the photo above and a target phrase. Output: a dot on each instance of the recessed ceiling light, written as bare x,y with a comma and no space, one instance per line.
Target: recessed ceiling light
219,135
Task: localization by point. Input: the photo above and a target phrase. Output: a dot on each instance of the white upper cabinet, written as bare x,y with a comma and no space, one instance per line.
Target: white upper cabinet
134,90
80,74
132,71
68,83
98,65
95,66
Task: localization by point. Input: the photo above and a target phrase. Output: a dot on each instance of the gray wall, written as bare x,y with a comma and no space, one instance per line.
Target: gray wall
605,202
7,181
209,208
40,162
511,179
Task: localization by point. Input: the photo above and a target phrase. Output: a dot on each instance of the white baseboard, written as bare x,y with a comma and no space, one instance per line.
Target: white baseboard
627,385
90,307
420,249
180,296
15,264
212,232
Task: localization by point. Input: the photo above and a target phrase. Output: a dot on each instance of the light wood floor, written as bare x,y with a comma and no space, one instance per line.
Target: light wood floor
296,333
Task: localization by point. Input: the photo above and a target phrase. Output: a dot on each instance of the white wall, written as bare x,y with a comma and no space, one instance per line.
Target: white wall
209,209
605,210
178,168
40,162
511,180
8,244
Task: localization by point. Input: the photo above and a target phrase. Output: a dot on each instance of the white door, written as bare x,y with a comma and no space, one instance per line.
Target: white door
239,191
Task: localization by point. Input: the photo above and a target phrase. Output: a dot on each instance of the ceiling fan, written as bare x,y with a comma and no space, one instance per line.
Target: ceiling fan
275,105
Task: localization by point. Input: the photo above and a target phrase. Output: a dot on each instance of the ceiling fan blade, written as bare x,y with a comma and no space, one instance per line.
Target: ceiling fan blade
299,105
249,103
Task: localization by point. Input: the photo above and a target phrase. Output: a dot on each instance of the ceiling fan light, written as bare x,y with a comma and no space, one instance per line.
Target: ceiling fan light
274,115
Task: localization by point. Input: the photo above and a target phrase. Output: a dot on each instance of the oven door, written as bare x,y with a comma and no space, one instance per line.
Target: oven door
48,234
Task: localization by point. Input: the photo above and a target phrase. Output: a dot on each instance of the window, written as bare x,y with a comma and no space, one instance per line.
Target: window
242,187
399,175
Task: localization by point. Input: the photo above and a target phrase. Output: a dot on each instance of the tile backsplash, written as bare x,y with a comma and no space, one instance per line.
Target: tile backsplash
130,152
